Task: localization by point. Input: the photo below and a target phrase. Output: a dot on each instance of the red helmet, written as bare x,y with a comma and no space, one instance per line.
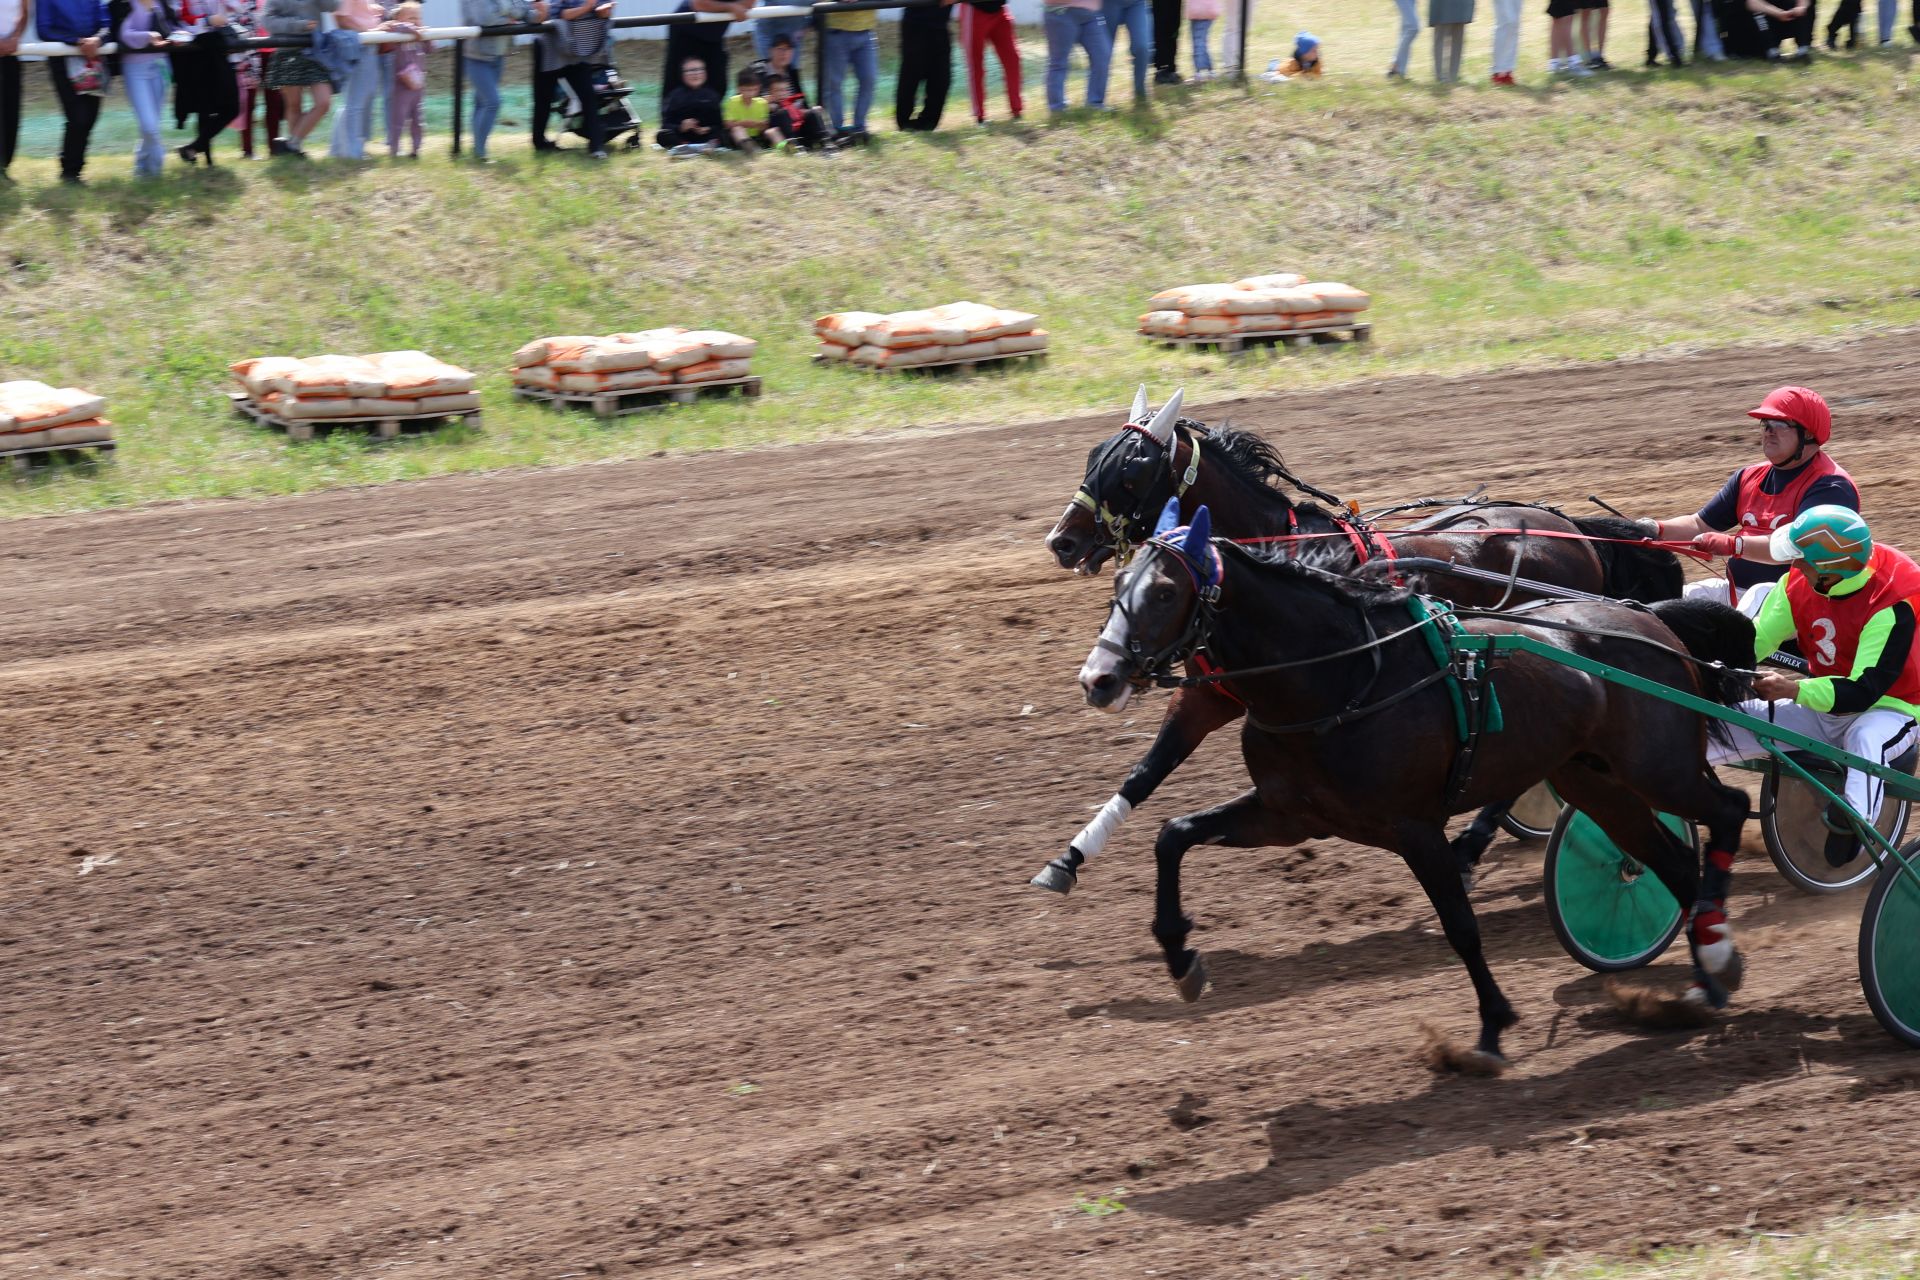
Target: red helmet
1799,405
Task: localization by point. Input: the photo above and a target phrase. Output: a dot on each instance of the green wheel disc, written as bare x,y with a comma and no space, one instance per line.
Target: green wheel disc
1890,948
1609,911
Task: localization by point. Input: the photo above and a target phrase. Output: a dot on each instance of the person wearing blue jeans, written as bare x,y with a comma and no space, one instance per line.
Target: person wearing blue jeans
1706,33
1409,32
859,49
1068,24
143,69
1136,16
486,58
354,122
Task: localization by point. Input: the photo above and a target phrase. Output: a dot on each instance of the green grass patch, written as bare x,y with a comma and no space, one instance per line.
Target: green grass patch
1873,1249
1573,221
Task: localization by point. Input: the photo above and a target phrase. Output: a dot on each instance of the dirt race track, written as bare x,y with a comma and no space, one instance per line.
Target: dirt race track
622,871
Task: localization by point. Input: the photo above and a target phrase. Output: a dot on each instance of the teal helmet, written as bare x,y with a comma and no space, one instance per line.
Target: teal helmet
1829,539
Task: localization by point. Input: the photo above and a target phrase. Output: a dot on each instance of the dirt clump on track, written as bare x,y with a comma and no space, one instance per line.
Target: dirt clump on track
603,871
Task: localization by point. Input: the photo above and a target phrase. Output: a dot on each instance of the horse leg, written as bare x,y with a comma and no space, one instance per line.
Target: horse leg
1192,714
1431,860
1242,823
1470,844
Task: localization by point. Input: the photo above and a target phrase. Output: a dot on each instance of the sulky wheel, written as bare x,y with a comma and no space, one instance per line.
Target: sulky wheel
1609,911
1533,814
1794,823
1890,948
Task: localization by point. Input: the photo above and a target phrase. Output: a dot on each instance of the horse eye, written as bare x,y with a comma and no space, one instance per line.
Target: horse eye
1163,594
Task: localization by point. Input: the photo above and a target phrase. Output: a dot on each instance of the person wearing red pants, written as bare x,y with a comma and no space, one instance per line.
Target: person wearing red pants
982,21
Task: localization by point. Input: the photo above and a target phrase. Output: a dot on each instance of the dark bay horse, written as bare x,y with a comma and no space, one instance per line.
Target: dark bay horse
1351,732
1239,477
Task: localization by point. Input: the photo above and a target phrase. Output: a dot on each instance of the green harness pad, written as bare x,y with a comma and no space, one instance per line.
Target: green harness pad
1442,653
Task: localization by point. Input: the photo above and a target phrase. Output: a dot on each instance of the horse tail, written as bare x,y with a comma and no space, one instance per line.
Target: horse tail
1714,632
1630,569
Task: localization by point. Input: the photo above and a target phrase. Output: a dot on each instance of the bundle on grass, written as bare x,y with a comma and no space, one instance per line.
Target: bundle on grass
386,384
34,415
1257,304
934,335
637,361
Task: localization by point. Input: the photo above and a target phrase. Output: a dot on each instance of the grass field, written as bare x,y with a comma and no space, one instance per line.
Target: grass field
1619,215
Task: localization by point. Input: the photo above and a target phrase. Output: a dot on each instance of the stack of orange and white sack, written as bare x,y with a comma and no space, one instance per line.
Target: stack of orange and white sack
1257,304
34,415
387,384
632,361
955,331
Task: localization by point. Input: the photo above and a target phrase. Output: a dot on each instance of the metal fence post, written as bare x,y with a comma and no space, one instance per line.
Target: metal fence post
1240,54
459,88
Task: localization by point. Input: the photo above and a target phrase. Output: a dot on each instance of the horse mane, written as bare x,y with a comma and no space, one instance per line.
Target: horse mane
1255,463
1322,565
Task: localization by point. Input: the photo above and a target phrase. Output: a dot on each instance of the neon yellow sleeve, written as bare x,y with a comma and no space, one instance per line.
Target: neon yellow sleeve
1774,626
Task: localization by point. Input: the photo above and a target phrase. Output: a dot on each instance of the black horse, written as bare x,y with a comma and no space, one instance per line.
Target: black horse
1351,731
1239,477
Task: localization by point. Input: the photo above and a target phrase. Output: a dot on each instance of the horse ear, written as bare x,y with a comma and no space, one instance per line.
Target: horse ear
1139,413
1169,518
1162,425
1199,535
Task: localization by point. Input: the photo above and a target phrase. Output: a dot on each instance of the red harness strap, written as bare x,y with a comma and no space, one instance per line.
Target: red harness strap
1206,668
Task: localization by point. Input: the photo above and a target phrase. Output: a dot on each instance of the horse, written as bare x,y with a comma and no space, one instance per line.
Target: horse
1238,477
1317,656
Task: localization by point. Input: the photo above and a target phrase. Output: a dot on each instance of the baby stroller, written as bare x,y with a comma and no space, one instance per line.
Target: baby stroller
617,119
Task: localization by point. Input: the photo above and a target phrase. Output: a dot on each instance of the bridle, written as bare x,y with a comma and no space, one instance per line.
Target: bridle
1120,526
1157,667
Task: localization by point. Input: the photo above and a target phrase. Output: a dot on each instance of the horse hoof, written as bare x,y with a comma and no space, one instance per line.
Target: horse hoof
1055,877
1444,1056
1195,981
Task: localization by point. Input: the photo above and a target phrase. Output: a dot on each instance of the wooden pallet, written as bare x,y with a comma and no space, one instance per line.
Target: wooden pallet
24,461
301,429
1239,344
1034,360
616,404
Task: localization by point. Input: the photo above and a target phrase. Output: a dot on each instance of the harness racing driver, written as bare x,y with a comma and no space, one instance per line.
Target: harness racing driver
1797,475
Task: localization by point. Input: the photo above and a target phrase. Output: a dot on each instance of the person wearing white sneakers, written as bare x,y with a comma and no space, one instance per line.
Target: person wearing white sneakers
1506,40
1563,59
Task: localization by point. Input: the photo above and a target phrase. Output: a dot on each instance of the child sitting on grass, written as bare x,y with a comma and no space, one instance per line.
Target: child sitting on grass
746,116
690,121
787,111
1303,65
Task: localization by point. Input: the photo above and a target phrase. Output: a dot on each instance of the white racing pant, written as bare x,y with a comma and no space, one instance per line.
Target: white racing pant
1717,589
1876,735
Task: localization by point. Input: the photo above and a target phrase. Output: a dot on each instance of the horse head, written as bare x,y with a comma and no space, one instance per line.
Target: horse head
1160,609
1129,476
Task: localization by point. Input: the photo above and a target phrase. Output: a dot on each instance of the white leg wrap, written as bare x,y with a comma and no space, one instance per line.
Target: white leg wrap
1093,837
1716,955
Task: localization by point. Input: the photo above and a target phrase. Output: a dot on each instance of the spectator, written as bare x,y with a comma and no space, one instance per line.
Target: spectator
248,67
691,118
13,25
1409,32
768,31
407,99
143,70
1305,61
1890,14
1706,32
1233,45
1755,28
782,60
1593,32
787,109
1506,40
353,123
1663,35
1201,15
745,114
706,41
1136,19
1166,41
926,62
850,40
1071,22
578,46
294,70
83,24
980,22
1562,58
204,86
486,58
